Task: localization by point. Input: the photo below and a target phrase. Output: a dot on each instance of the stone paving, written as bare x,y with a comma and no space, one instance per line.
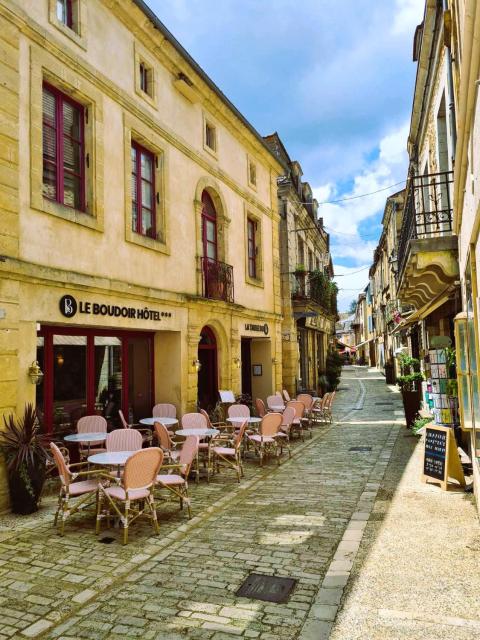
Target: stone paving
303,519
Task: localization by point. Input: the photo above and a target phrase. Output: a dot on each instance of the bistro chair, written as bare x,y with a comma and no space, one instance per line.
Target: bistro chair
298,422
136,488
230,455
199,421
328,406
266,440
178,483
124,440
307,400
319,409
145,432
214,425
165,442
238,411
260,407
91,424
274,403
286,395
164,410
74,483
288,417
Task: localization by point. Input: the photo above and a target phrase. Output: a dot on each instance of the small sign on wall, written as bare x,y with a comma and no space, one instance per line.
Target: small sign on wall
257,369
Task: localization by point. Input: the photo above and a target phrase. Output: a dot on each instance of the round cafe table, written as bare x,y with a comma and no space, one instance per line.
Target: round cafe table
86,438
201,433
237,421
111,459
149,422
277,407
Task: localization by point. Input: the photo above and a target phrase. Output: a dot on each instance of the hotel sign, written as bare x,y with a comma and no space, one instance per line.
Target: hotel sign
69,307
260,328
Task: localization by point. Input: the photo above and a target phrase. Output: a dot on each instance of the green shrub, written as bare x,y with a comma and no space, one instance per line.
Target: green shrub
334,369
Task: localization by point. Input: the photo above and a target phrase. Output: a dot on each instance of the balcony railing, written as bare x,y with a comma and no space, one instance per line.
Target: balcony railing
217,280
315,287
428,211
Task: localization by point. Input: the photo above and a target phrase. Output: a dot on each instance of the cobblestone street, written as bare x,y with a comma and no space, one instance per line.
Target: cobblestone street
303,520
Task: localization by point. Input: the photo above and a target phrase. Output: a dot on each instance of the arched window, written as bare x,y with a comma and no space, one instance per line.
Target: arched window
209,227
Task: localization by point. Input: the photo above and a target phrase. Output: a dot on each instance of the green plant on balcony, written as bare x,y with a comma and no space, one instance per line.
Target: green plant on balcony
410,373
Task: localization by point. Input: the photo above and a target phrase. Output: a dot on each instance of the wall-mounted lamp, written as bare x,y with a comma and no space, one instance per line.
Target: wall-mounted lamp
60,359
237,362
197,365
274,361
35,373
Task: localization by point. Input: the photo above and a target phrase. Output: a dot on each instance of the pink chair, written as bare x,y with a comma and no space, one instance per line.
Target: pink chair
137,484
165,442
298,421
178,483
164,410
288,417
146,433
199,421
91,424
238,411
307,400
230,455
266,441
286,395
319,409
274,403
260,407
124,440
214,425
328,406
83,489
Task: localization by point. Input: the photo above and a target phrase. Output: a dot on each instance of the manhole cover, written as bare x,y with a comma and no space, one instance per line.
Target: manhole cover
107,540
268,588
360,449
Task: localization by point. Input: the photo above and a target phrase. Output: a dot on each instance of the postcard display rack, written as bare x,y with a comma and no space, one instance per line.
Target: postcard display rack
439,391
441,461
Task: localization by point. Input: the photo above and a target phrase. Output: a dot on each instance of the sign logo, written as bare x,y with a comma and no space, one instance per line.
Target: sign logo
68,306
261,328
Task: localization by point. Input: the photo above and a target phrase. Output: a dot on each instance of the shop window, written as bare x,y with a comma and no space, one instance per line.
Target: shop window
252,248
63,149
143,191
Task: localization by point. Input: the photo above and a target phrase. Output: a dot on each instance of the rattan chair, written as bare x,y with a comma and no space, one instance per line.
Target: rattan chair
265,441
165,442
136,488
145,431
298,423
178,483
230,455
91,424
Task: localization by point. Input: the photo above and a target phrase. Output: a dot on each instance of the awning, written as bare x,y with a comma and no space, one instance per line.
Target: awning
304,314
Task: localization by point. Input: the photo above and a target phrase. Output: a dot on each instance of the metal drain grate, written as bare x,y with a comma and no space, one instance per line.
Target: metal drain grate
390,404
107,540
361,449
268,588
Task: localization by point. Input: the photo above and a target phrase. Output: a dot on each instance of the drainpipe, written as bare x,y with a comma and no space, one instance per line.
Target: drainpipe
451,97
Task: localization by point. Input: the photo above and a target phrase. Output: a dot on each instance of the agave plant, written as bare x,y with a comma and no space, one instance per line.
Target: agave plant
20,441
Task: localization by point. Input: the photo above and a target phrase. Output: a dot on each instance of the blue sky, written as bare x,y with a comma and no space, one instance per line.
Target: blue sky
335,79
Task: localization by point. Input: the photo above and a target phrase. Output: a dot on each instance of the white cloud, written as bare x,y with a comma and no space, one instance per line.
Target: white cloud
408,15
351,281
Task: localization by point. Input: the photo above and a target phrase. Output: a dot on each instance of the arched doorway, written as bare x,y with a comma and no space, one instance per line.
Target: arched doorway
208,374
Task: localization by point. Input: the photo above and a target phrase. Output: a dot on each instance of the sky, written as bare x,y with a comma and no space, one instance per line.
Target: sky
335,80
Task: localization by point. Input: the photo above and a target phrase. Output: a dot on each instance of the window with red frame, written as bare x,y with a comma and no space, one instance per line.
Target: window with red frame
63,149
143,191
252,248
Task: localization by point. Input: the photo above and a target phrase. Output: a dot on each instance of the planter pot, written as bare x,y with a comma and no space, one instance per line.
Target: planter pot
24,500
411,405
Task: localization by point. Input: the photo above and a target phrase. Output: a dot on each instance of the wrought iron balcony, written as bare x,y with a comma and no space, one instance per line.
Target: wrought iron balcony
217,280
427,214
316,287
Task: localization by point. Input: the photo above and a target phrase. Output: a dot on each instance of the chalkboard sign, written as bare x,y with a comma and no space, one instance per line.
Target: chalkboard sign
435,453
441,460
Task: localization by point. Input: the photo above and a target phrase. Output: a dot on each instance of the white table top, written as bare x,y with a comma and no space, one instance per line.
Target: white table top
86,437
149,422
277,407
111,457
201,433
250,420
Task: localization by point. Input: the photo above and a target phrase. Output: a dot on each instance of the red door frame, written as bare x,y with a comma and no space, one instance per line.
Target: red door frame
212,347
48,331
206,216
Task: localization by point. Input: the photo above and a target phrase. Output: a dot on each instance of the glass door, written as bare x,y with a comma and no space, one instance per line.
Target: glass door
139,378
107,379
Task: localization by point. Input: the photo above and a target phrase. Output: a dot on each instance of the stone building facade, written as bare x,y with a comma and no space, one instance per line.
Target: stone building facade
139,225
308,292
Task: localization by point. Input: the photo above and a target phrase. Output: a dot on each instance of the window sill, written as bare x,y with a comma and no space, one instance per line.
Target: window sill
210,151
255,282
70,33
146,242
146,97
68,214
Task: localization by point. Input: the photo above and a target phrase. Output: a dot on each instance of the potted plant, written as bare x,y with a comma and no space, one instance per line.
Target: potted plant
409,384
21,446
